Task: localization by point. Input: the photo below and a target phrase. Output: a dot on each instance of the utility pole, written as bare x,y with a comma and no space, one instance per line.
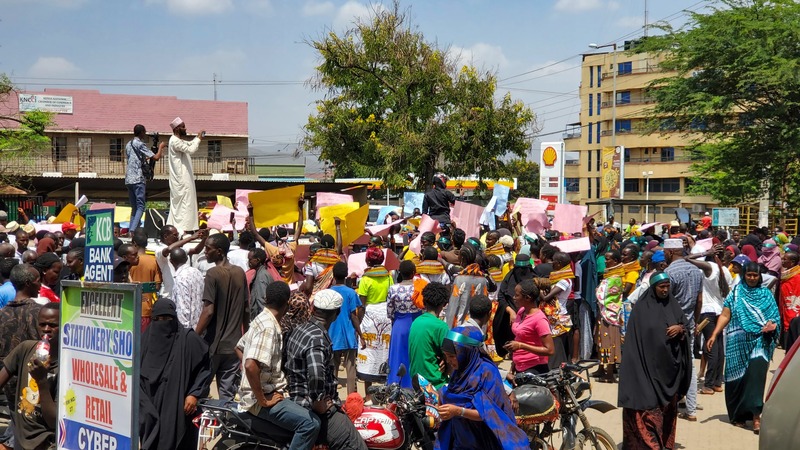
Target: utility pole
645,18
215,86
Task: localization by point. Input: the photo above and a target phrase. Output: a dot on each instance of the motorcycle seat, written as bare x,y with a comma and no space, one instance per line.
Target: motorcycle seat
255,426
536,404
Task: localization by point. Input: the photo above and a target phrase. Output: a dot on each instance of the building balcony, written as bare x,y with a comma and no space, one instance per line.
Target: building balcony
657,159
105,167
632,101
648,69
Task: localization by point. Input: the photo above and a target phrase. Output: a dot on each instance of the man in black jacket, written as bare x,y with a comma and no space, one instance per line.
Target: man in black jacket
438,200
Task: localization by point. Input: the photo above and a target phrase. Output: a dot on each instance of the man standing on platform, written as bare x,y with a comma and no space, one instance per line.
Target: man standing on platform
137,153
182,193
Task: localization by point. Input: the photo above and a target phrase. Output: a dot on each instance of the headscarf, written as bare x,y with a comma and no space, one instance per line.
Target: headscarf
770,256
733,249
655,369
750,251
374,256
477,384
781,238
160,335
45,245
299,312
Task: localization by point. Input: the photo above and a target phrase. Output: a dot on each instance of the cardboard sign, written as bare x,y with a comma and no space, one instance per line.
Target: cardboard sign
412,200
66,213
573,245
467,217
220,218
426,224
568,218
276,206
329,199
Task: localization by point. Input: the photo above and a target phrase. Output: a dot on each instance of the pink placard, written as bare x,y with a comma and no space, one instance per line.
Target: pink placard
467,217
568,218
49,227
330,198
529,206
242,201
705,244
377,230
573,245
425,224
537,223
220,218
357,262
301,255
647,226
102,206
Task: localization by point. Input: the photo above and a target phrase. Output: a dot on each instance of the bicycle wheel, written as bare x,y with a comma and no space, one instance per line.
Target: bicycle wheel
604,441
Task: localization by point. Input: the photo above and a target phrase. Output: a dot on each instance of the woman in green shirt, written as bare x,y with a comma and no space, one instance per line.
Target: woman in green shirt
373,360
427,334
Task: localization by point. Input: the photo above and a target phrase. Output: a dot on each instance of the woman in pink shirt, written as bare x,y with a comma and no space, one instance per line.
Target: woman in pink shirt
532,342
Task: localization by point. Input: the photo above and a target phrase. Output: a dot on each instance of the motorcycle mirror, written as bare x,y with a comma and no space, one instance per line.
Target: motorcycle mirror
401,372
415,383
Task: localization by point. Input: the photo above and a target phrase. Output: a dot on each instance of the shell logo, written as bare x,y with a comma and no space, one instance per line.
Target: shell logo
549,157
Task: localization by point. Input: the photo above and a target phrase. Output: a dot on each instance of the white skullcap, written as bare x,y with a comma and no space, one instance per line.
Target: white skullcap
328,299
506,241
176,123
673,244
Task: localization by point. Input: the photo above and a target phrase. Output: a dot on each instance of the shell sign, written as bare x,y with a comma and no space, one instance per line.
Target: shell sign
549,157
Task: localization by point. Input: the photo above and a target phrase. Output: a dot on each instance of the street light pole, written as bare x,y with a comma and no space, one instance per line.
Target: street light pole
647,176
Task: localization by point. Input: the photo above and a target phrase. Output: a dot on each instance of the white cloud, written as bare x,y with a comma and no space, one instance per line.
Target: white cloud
352,12
578,6
481,55
53,67
195,7
316,8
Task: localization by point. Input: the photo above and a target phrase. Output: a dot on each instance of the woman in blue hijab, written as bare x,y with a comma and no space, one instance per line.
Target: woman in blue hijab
475,411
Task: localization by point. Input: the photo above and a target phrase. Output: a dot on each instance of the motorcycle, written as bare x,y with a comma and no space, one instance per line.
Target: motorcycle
554,402
399,423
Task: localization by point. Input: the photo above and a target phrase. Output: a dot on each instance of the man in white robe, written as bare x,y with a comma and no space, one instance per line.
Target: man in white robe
182,193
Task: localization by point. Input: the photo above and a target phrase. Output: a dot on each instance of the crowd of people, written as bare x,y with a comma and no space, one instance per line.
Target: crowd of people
274,331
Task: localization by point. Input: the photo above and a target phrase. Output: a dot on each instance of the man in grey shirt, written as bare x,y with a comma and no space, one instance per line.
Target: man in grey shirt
137,153
686,282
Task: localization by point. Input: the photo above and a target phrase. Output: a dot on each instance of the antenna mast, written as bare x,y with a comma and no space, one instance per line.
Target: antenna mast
645,18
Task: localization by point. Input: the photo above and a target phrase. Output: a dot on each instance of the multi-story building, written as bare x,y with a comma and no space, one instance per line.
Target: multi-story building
660,159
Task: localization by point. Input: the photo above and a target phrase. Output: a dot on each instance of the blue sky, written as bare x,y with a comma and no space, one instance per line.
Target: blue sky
178,44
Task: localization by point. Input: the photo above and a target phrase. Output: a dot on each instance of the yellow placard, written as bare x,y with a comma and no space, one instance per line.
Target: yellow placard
66,214
353,225
340,210
224,201
276,206
122,214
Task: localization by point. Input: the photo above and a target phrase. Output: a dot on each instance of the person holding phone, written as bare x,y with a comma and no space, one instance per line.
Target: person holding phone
136,152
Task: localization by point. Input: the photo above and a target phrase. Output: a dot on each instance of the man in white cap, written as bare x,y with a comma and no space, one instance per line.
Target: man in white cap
182,193
686,284
311,376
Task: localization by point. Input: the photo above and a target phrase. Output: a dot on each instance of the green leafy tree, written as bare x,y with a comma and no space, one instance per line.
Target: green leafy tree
396,105
527,175
21,135
737,88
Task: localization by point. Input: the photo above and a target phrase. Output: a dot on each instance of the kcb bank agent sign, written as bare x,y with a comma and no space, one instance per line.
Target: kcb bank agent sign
99,366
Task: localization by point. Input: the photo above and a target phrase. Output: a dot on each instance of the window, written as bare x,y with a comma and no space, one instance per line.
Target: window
591,76
591,104
573,184
115,149
671,210
599,75
624,126
597,186
59,148
627,156
666,185
597,125
625,68
214,151
589,188
632,185
598,161
667,154
623,98
599,96
634,209
589,166
590,132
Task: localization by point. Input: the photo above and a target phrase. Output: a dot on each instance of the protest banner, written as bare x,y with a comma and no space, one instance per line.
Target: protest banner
568,218
572,245
329,199
353,225
537,223
426,224
98,380
276,206
99,252
224,201
411,201
242,199
526,207
220,218
466,216
66,214
501,193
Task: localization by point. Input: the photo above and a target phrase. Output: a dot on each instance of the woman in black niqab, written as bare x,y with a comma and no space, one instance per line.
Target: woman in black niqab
656,368
175,366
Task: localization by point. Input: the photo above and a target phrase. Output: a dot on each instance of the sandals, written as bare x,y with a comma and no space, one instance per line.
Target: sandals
757,426
739,424
707,391
687,417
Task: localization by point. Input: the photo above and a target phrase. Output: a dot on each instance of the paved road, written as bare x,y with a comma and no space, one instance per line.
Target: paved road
712,431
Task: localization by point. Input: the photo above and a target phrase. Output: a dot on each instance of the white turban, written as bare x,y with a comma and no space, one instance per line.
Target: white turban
328,299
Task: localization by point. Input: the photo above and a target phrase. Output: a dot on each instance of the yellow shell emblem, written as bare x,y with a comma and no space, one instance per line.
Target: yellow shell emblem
549,157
